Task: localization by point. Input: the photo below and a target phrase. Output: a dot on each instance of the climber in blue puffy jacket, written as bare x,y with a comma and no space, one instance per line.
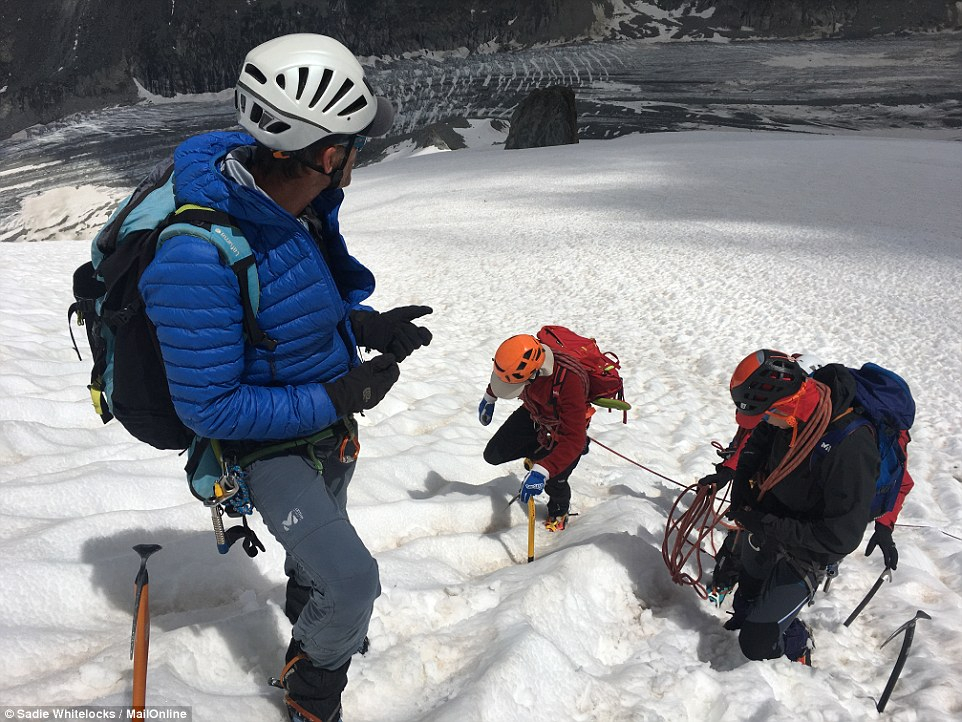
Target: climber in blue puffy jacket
307,108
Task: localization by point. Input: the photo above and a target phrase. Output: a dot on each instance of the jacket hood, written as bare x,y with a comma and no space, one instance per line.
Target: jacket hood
841,384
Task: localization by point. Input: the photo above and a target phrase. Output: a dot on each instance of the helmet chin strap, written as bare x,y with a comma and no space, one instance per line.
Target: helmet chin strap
336,175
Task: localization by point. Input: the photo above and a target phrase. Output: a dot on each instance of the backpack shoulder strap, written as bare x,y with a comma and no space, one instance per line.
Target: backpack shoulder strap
218,229
567,363
834,437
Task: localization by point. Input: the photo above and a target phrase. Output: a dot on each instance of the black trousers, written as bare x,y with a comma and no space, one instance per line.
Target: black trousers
771,592
518,438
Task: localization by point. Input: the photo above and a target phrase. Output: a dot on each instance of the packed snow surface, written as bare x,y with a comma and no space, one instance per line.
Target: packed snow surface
681,253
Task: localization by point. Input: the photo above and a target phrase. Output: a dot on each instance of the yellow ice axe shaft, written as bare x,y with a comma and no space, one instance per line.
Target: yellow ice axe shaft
531,530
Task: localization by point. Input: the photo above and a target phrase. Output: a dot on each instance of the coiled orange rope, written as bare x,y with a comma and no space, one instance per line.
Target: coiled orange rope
686,533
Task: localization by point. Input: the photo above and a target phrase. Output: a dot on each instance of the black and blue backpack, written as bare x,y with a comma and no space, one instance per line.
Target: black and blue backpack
128,380
883,402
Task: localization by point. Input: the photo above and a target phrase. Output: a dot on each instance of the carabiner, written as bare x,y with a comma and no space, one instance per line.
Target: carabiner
349,449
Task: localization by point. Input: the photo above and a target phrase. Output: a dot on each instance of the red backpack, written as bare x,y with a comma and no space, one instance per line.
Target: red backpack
605,385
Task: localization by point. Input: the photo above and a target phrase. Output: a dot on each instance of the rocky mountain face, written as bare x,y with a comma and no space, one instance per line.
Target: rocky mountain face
62,56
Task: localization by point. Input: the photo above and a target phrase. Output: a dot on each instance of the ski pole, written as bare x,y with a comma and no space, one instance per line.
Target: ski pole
140,633
909,629
530,529
885,575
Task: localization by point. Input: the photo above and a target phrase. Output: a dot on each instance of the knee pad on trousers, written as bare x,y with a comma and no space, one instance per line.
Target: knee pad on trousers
356,592
760,641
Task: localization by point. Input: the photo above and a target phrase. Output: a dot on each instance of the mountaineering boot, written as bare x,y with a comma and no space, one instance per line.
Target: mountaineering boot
313,693
557,510
740,607
798,642
556,523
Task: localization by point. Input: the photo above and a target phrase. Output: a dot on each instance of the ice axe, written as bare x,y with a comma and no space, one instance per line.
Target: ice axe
885,575
909,629
140,633
530,529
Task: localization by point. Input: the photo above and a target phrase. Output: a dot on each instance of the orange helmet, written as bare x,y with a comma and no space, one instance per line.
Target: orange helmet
518,359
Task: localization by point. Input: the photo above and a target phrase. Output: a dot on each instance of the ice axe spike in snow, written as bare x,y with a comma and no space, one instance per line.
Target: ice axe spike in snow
885,575
909,629
140,633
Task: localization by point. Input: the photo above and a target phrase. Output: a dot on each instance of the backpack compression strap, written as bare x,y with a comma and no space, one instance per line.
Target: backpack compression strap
216,227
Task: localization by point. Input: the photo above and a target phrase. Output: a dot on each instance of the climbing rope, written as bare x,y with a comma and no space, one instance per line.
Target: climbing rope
632,461
699,520
686,534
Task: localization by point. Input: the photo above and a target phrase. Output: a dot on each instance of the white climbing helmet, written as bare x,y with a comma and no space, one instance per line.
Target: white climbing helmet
298,89
809,362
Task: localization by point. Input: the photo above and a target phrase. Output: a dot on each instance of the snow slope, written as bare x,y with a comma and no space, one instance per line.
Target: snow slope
679,252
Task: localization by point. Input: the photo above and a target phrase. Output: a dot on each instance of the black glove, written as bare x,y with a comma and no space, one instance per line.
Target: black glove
882,538
742,492
750,520
364,386
721,477
392,331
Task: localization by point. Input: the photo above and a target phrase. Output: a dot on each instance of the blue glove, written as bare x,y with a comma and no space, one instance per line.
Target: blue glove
486,409
533,483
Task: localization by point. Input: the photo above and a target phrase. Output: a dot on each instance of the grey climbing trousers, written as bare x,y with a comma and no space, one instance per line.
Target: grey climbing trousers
333,577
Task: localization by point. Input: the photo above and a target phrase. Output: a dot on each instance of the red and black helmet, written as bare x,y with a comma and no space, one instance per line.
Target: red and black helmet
764,378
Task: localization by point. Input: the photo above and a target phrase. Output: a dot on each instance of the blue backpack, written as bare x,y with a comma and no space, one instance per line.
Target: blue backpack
885,404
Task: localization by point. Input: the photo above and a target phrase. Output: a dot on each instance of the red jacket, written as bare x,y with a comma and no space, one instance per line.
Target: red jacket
558,404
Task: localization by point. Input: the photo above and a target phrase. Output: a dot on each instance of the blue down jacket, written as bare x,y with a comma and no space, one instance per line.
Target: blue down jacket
222,387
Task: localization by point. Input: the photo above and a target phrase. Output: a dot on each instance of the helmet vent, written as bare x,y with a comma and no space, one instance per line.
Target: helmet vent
322,87
280,80
256,112
302,74
345,89
255,73
354,107
277,126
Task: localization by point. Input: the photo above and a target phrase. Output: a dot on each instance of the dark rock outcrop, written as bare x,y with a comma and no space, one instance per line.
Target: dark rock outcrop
546,117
